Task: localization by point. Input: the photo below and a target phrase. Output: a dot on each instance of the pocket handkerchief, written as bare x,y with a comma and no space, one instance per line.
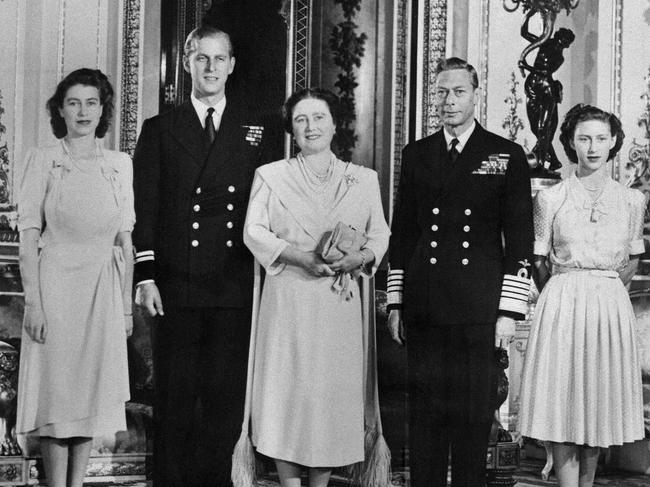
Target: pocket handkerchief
496,164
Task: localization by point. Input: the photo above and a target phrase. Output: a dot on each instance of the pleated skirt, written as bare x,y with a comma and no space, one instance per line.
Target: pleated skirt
582,377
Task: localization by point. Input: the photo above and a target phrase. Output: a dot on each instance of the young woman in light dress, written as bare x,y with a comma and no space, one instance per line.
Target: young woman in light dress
75,216
581,386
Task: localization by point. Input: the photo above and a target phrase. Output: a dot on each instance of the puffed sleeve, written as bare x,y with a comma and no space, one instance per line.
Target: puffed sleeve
377,229
543,215
126,187
258,235
31,192
637,203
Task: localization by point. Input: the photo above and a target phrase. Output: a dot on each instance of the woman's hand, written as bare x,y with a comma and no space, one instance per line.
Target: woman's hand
128,324
350,262
34,323
315,265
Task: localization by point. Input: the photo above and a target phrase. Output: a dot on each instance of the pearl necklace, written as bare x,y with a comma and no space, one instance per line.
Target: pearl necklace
75,161
318,182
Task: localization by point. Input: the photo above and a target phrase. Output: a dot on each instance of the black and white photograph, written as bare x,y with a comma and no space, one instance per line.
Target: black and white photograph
325,243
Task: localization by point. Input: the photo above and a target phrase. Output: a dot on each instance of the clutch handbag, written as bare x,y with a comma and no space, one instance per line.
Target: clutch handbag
343,237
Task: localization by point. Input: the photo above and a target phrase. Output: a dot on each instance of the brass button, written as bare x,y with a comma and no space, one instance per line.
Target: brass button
231,189
434,244
197,208
465,244
434,228
195,225
436,211
466,228
465,261
228,243
198,190
195,243
468,212
229,225
229,207
433,260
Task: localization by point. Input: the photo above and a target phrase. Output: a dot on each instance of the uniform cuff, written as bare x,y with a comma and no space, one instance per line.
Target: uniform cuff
514,294
395,287
144,266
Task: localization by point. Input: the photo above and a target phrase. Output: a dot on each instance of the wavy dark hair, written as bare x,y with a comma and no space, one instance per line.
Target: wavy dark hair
327,96
582,113
457,63
84,77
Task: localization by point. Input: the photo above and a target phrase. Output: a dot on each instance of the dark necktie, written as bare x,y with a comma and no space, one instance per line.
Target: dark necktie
453,152
210,132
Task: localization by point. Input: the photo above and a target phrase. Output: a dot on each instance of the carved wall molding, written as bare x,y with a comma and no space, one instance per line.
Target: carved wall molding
617,62
400,93
483,61
297,14
130,88
434,46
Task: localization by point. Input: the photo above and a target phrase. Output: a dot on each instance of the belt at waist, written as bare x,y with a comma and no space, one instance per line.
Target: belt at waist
560,269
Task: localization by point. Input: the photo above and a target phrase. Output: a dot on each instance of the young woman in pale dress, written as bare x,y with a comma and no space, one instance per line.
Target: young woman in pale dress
75,216
581,386
307,384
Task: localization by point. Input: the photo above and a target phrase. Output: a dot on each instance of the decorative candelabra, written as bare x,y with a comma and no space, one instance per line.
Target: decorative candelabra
551,5
639,154
543,92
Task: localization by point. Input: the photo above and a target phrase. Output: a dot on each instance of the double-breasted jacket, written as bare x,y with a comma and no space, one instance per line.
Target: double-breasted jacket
462,233
190,201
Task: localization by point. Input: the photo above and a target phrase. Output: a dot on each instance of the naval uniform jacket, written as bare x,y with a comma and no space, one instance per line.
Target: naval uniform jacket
190,202
462,234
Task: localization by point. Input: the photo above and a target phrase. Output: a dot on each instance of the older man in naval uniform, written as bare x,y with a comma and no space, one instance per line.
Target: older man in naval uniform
193,167
460,255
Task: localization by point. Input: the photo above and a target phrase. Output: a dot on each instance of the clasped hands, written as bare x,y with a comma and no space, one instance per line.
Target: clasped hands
504,332
351,262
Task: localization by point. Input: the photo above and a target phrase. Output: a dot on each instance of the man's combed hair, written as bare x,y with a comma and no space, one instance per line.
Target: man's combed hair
201,32
582,113
457,63
84,77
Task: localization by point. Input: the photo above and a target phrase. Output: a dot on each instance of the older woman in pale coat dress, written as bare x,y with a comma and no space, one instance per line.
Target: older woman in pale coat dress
307,383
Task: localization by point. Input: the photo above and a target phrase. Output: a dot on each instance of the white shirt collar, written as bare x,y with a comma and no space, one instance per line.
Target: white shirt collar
201,110
462,138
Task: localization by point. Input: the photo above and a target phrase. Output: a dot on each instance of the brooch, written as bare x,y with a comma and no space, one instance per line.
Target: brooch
350,179
497,164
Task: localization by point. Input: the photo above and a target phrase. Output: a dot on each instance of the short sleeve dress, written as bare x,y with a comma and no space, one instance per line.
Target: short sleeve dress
76,383
308,381
582,378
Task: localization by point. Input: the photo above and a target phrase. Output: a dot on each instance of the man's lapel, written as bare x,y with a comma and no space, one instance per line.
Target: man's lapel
468,160
228,136
188,132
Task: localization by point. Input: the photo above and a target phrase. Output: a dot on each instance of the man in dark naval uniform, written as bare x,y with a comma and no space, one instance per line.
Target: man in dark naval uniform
460,255
193,167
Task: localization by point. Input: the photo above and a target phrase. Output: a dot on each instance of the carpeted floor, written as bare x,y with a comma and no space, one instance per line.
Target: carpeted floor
527,476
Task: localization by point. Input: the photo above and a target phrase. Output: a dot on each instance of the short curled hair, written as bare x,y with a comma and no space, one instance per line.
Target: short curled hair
327,96
582,113
84,77
457,63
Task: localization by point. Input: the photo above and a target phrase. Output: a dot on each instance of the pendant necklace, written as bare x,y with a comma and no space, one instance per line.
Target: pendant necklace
594,195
